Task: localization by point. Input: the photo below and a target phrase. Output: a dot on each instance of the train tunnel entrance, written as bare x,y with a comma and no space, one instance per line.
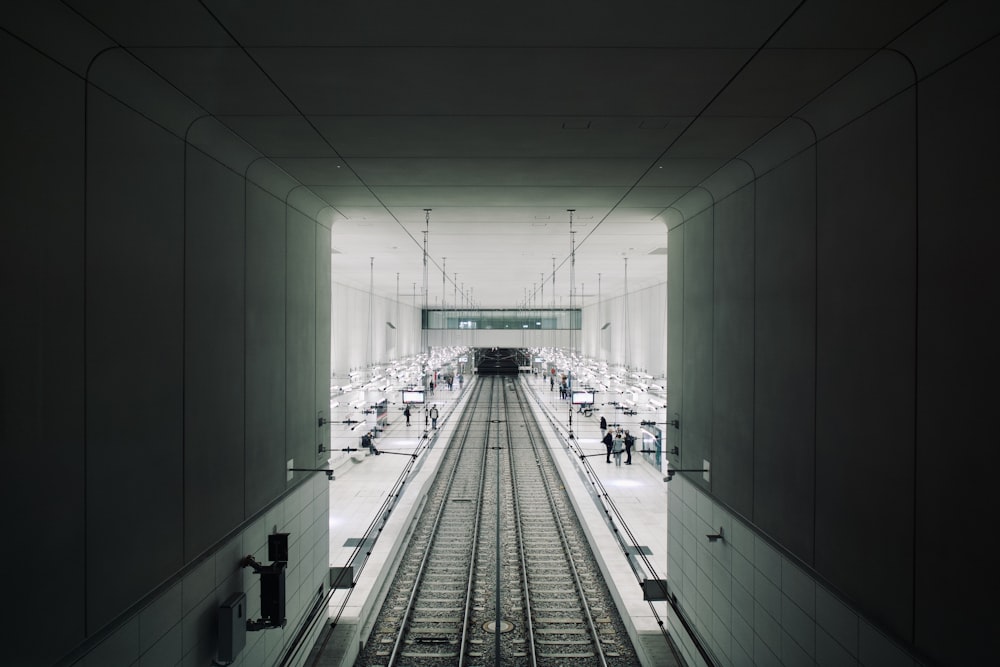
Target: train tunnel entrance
498,360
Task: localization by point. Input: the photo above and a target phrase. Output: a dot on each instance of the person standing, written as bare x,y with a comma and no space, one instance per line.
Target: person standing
604,426
434,415
406,413
617,445
607,443
629,443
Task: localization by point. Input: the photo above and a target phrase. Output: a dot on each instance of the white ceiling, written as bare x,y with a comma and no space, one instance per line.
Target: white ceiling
501,117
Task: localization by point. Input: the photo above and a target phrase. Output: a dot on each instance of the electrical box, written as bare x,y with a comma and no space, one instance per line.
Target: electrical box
277,547
272,594
655,590
342,577
232,627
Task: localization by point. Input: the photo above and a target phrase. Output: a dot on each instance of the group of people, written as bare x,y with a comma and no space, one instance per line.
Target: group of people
449,380
431,414
368,439
563,386
617,441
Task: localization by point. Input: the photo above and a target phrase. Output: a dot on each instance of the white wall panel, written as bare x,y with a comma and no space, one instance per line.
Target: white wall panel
637,335
360,338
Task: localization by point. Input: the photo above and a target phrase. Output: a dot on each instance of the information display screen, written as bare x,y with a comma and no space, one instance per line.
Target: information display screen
413,396
583,398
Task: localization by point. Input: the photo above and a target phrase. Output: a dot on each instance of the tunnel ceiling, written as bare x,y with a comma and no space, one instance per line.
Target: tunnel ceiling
632,113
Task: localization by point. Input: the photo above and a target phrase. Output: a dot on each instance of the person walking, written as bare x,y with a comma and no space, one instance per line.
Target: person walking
607,443
617,445
629,443
434,415
604,426
406,413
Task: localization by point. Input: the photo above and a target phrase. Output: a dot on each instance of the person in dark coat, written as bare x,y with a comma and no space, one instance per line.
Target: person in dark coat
608,441
604,426
406,413
629,443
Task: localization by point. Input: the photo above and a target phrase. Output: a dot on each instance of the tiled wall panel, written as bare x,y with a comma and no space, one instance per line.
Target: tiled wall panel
179,627
765,608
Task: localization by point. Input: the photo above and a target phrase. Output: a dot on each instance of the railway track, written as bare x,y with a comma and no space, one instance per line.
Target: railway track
497,547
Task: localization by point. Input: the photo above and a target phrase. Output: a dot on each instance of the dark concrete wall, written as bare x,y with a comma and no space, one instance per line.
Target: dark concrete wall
955,453
168,351
829,354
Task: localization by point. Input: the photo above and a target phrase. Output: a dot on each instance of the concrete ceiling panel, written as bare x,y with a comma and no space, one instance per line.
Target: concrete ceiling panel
223,81
694,202
213,138
491,81
563,136
174,23
119,74
502,120
720,137
849,24
270,177
878,79
306,201
723,24
949,32
319,171
635,214
362,216
539,216
277,136
559,172
657,198
58,31
777,82
485,196
677,172
781,143
341,196
730,178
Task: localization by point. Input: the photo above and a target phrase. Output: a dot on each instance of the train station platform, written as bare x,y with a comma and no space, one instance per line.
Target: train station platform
375,498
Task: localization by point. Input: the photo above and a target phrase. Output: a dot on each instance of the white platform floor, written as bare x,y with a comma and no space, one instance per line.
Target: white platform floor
363,484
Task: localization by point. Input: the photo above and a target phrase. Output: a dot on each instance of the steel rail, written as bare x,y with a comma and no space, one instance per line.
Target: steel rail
467,616
518,523
594,634
418,578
